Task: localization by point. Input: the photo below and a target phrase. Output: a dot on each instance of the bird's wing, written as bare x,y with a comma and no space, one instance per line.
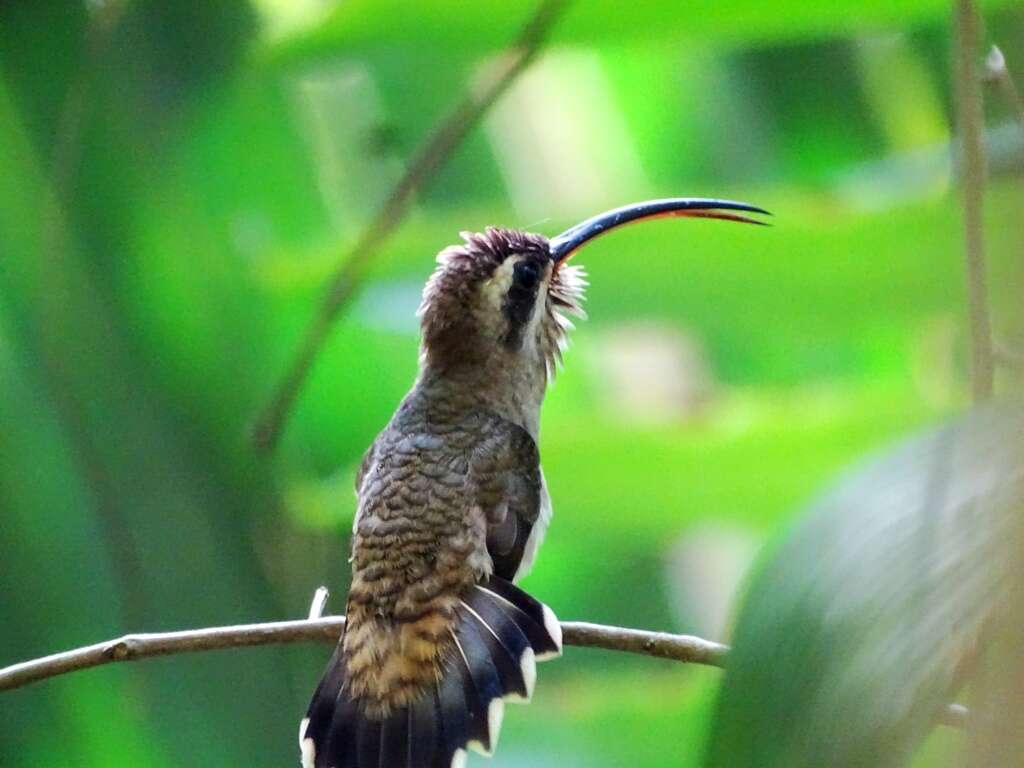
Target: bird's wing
364,465
506,485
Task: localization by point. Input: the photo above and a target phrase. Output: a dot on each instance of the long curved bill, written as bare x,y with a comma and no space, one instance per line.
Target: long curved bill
567,243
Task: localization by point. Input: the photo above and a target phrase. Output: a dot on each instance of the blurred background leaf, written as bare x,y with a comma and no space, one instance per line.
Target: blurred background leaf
868,619
481,26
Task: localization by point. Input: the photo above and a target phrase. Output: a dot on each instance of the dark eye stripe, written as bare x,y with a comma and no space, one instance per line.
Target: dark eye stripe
520,298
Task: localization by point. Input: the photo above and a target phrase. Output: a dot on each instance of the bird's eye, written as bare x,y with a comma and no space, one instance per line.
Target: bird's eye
526,274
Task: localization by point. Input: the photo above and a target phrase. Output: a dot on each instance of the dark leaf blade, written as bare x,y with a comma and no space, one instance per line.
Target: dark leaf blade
847,647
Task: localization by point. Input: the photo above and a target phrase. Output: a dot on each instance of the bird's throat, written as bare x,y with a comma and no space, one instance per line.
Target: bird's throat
506,385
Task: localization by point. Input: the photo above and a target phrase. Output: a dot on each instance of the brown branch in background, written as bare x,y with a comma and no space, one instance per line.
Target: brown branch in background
684,648
426,161
997,73
59,279
1008,357
970,120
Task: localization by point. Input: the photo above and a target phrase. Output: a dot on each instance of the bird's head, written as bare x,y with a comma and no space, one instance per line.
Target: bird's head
499,301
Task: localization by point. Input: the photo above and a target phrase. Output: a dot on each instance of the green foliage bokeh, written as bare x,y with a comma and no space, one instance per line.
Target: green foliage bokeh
171,212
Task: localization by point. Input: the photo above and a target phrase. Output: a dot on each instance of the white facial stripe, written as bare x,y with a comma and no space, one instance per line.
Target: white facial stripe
496,288
497,285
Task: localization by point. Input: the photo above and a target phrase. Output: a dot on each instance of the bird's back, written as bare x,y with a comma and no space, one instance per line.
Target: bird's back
418,544
434,642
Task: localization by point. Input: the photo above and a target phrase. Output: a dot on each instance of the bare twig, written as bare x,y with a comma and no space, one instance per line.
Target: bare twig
142,646
431,155
997,73
971,128
316,608
684,648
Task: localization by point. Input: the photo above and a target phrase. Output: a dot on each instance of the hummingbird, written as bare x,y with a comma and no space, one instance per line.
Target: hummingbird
452,508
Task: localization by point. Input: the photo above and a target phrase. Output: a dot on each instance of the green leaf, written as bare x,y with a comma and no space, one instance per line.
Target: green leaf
452,24
846,648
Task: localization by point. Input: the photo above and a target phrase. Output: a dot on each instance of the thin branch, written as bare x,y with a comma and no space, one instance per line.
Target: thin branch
427,160
996,72
316,608
971,127
143,646
684,648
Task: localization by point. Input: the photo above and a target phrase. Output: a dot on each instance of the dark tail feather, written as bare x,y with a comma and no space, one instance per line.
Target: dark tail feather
501,633
532,616
368,747
394,739
327,734
425,747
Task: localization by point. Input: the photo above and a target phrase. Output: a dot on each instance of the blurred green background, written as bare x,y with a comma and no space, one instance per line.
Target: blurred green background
177,184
